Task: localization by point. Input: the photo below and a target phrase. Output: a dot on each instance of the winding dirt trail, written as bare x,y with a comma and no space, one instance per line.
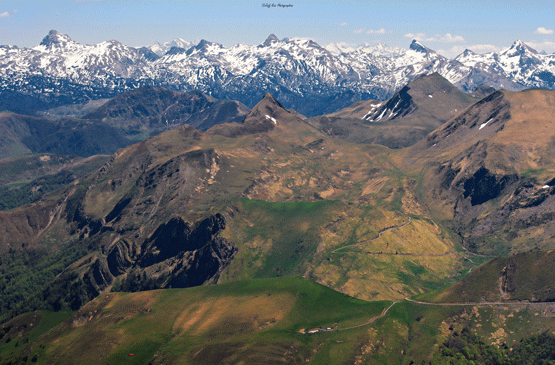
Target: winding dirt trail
455,304
481,304
383,230
384,312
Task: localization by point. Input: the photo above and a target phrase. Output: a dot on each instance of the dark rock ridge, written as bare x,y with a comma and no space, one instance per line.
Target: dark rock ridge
483,91
483,186
176,255
529,206
137,245
400,105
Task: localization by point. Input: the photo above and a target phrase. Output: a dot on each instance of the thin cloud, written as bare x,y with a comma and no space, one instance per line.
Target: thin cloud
337,48
448,38
485,48
378,31
417,36
359,31
5,14
344,24
476,48
542,30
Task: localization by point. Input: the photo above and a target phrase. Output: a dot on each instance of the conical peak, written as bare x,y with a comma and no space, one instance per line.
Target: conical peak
468,52
269,99
271,39
418,47
55,38
203,44
520,48
268,107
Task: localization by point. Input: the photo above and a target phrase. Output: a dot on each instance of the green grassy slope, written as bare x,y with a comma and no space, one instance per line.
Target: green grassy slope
255,321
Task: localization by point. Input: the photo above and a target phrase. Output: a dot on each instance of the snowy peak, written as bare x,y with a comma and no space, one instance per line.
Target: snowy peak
204,45
271,39
382,50
162,48
58,43
423,94
303,43
55,39
419,47
398,106
467,53
519,48
338,48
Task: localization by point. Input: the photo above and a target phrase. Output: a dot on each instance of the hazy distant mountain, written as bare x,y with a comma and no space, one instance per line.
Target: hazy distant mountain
161,48
150,110
23,134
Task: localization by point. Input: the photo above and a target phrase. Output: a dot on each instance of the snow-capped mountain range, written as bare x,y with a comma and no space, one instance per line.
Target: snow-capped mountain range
298,72
162,48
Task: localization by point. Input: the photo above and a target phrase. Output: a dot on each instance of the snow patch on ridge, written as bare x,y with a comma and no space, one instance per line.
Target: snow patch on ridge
484,124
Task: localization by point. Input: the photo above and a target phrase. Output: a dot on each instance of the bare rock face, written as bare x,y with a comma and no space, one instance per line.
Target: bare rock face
176,255
99,276
121,257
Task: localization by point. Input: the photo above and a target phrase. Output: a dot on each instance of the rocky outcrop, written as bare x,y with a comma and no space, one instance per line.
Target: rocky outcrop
176,255
121,257
99,276
483,186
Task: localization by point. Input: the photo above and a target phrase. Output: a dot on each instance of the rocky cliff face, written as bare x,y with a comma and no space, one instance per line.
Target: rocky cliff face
176,255
140,241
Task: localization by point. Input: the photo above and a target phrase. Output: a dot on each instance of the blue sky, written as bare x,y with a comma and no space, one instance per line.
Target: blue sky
445,26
